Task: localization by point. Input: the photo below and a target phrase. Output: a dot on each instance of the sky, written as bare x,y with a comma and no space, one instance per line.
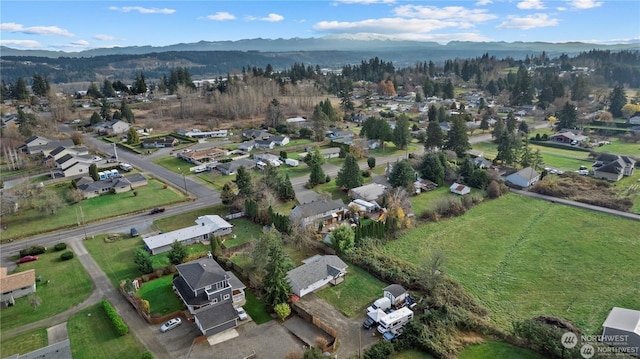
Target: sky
81,25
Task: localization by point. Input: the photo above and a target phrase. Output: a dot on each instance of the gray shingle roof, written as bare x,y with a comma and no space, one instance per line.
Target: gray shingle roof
395,289
212,316
201,273
314,208
316,270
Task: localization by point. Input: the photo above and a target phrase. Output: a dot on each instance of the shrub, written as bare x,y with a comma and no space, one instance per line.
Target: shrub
119,325
283,310
32,251
366,173
66,256
327,179
60,247
147,355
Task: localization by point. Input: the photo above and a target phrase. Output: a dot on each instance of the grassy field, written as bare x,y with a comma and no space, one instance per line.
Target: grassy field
159,293
357,292
194,250
68,286
493,350
523,257
24,343
244,230
620,148
187,218
174,164
256,308
115,258
557,158
92,337
215,179
31,222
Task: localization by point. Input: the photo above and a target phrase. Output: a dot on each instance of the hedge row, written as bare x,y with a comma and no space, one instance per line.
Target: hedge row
118,324
32,251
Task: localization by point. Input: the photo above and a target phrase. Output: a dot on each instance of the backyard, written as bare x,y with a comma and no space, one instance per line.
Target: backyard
31,222
63,284
92,336
493,350
159,293
24,343
548,259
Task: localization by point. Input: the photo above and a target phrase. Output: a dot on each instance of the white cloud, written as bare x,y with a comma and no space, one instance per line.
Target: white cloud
585,4
142,10
366,2
25,44
484,2
80,43
561,8
221,16
103,37
272,18
528,22
34,30
440,38
452,13
384,26
530,4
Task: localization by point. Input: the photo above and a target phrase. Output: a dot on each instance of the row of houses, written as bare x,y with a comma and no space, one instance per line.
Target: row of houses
120,184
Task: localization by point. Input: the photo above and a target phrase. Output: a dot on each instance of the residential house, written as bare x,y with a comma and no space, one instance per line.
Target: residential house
568,138
315,273
363,207
613,167
396,294
622,329
256,134
267,144
369,192
57,350
92,188
17,285
247,146
202,156
43,146
160,142
348,140
230,168
210,294
195,133
296,120
333,152
481,162
460,189
445,126
323,211
424,185
524,178
115,127
10,120
635,119
206,227
268,158
280,140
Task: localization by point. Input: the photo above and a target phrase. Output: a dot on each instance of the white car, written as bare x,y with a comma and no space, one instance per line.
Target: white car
241,313
172,323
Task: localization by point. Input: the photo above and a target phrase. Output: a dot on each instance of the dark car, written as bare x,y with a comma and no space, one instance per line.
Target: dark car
26,259
156,210
134,232
368,323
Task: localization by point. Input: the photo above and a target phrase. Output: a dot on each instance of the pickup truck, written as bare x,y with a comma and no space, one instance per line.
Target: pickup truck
157,210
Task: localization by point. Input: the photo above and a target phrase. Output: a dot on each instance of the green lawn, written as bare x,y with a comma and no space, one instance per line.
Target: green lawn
30,222
523,258
69,285
558,158
92,337
244,230
492,350
620,148
194,250
115,258
355,294
216,179
427,200
411,354
24,343
256,308
159,293
175,164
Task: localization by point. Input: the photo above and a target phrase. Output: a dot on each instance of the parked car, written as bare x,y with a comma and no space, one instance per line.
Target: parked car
241,313
134,232
156,210
26,259
171,324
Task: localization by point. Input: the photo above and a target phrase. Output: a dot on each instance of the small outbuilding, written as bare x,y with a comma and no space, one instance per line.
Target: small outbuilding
621,329
460,189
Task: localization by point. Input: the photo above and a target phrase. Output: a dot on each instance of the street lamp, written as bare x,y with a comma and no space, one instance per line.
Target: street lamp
184,178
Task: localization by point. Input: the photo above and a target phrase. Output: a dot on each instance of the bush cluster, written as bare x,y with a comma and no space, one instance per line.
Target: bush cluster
66,256
60,247
119,325
32,251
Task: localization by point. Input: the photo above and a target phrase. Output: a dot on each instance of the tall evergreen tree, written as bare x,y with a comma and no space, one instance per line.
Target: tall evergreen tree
20,90
498,129
522,92
244,182
40,86
466,167
617,100
285,189
93,91
432,168
435,137
567,117
227,194
95,118
178,253
126,113
274,115
401,133
402,174
132,136
277,289
432,113
457,138
107,88
349,175
319,121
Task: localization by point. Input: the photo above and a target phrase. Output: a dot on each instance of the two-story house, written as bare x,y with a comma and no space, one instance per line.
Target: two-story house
210,293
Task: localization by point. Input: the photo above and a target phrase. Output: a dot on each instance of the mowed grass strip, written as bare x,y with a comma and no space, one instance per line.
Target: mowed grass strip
30,222
256,308
92,337
24,343
355,294
523,257
115,258
68,285
159,293
492,350
411,354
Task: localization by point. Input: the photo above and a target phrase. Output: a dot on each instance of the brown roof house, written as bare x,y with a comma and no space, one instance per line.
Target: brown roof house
16,285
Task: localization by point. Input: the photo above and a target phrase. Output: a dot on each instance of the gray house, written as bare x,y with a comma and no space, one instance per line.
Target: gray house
621,329
210,293
206,227
327,212
230,168
613,167
315,273
524,178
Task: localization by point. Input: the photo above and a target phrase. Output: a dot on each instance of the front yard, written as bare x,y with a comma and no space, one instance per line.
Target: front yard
63,285
24,343
159,293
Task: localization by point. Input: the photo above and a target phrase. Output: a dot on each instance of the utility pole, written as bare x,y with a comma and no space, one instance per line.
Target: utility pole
84,226
115,151
184,178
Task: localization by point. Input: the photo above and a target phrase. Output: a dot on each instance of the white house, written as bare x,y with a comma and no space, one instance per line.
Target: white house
524,178
369,192
16,285
315,273
459,189
206,226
